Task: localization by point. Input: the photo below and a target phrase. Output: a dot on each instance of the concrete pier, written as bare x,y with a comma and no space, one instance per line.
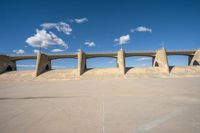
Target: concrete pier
160,60
121,61
81,62
7,64
195,59
43,64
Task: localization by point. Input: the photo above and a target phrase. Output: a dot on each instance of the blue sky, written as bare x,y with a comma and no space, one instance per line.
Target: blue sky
96,26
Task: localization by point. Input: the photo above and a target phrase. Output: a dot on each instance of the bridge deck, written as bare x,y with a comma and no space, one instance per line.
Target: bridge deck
59,56
189,52
25,57
153,53
94,55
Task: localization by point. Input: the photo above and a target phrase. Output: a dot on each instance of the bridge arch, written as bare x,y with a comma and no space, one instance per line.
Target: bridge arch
101,62
178,60
196,63
64,63
25,64
139,61
47,68
156,64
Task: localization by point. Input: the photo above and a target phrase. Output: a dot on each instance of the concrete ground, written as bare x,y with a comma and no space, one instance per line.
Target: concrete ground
132,105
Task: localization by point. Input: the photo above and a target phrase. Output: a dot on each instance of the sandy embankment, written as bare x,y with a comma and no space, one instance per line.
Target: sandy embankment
101,73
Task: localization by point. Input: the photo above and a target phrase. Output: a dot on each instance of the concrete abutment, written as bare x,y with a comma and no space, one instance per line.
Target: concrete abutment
7,64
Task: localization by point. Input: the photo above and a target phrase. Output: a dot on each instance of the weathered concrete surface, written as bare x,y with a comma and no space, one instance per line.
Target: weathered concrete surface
6,64
195,60
161,61
144,105
121,61
188,70
81,62
43,64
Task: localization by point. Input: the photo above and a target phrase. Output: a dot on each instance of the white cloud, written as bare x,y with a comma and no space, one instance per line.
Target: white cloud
36,51
61,27
144,59
90,44
81,20
57,50
142,29
26,66
19,51
44,39
123,39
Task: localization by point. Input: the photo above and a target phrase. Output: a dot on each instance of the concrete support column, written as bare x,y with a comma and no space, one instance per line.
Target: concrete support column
43,64
161,61
81,62
6,64
121,61
195,60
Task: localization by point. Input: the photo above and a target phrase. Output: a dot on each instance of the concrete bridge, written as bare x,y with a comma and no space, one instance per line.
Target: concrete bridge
43,61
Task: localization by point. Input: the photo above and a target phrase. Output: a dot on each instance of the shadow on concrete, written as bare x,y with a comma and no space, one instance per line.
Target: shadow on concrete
88,69
196,63
127,69
8,69
171,68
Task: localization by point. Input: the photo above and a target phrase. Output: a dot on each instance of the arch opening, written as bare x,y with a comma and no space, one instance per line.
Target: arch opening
47,68
101,62
28,64
156,64
64,63
138,61
178,60
9,68
196,63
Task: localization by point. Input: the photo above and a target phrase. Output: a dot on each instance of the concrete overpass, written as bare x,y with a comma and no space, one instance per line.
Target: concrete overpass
43,61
